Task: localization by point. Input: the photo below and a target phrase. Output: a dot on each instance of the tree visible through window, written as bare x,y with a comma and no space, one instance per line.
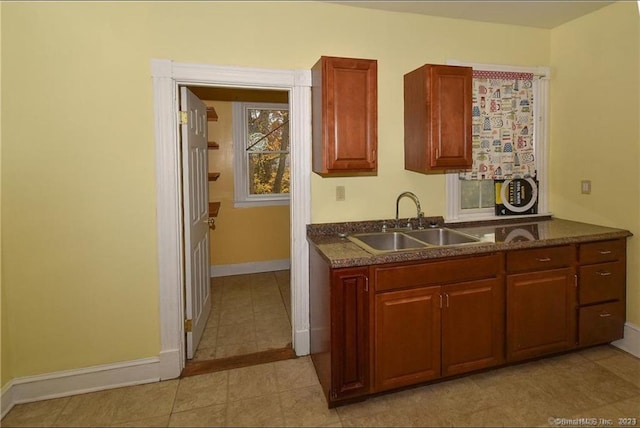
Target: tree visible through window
268,151
262,164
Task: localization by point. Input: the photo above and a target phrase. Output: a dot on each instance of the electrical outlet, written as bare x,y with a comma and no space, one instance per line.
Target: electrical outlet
585,186
340,193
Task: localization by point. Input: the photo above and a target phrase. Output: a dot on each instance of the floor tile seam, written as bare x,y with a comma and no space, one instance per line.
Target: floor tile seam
62,409
112,423
175,397
243,343
617,375
281,391
200,407
278,393
227,398
637,397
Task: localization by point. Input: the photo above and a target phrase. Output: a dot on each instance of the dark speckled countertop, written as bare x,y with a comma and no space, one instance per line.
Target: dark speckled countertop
508,234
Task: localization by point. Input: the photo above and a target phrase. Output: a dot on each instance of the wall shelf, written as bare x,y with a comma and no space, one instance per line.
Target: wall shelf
211,114
214,207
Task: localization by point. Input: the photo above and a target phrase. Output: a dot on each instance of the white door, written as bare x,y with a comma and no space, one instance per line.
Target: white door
195,186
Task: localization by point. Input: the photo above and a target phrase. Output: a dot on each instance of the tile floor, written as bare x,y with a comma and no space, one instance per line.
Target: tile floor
249,313
601,382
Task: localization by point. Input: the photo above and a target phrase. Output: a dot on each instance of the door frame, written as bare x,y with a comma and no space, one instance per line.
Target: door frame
166,76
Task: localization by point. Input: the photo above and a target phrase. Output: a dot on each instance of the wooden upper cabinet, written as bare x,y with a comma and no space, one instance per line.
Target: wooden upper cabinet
345,116
437,118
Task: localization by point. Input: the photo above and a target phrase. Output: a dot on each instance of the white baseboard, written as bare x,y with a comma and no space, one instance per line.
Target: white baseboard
301,344
631,340
71,382
251,267
6,399
170,364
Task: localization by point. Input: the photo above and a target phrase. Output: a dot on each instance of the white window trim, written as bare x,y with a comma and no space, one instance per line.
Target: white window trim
541,134
242,198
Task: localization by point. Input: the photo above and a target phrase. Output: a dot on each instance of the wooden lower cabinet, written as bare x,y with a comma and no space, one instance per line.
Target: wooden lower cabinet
602,277
382,327
407,337
541,313
601,323
426,333
339,320
472,326
350,332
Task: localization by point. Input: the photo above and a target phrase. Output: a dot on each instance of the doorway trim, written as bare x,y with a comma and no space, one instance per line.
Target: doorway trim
166,76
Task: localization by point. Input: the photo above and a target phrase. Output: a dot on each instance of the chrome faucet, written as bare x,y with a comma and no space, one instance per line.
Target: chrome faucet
419,214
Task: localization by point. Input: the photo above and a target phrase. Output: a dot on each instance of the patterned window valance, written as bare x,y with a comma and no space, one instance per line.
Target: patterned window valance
502,121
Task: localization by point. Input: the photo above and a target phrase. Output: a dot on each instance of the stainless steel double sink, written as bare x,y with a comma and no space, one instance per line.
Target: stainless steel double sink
410,240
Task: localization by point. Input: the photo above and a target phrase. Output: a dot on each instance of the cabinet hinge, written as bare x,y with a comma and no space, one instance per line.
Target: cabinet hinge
333,394
183,117
188,326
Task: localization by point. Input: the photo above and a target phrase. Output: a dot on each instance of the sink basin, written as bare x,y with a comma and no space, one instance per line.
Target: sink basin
386,242
442,236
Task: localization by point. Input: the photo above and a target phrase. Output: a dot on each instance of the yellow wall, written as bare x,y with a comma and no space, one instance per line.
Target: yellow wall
595,95
5,369
78,218
242,235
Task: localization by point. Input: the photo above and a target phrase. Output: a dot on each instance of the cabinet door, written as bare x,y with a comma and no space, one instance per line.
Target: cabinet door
437,118
472,326
601,323
350,333
407,337
541,313
345,116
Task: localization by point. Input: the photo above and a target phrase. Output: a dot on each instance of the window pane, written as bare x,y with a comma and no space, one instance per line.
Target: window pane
487,194
268,174
267,130
469,194
476,194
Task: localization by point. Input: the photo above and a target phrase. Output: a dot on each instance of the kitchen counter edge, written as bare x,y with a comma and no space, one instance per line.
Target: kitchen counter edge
339,252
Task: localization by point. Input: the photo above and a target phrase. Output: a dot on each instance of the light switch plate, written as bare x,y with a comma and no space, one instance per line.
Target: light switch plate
340,193
586,187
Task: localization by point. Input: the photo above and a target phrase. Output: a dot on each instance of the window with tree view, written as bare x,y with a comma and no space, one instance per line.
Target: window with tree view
262,153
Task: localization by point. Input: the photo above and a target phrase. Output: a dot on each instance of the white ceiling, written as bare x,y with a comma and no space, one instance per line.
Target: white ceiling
541,14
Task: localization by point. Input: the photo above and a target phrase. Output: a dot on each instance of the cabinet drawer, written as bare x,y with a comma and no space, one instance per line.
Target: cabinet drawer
540,258
437,272
604,251
601,323
601,282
